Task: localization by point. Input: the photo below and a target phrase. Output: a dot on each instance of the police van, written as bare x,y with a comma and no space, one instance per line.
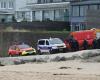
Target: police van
51,45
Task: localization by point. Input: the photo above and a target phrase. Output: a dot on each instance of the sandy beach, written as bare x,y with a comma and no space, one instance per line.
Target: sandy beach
63,70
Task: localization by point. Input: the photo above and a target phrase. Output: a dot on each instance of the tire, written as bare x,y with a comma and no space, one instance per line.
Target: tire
39,52
51,51
20,54
64,50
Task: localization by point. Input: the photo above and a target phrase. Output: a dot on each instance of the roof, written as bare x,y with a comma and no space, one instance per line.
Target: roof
86,2
47,39
48,5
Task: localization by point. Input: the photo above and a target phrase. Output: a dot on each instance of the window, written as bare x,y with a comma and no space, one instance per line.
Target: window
39,1
93,7
20,14
48,15
3,4
42,1
57,0
99,6
59,15
47,43
33,1
83,10
55,41
49,1
11,5
76,28
66,15
75,10
38,15
42,42
33,15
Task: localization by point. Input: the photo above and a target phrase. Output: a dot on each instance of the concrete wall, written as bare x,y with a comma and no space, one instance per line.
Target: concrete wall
45,25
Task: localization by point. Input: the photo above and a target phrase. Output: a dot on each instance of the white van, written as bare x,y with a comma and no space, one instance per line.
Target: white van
51,45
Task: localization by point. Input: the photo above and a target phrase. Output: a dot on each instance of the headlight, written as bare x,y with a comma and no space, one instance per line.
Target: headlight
64,46
34,50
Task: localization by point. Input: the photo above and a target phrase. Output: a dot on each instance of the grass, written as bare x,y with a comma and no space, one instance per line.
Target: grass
11,29
36,31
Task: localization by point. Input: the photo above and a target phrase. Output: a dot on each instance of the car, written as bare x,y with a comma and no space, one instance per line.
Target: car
51,45
21,49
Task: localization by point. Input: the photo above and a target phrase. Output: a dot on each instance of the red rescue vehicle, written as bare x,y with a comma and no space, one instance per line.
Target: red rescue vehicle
80,36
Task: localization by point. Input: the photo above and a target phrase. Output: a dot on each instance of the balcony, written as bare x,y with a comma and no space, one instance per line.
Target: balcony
48,6
47,1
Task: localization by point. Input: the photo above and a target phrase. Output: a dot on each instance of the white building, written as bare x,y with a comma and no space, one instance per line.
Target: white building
40,10
6,10
21,10
34,10
53,10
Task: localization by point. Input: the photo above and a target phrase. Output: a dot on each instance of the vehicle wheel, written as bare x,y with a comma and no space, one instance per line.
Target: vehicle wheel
39,52
64,50
51,51
20,54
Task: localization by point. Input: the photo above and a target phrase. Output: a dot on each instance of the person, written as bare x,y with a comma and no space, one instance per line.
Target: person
71,42
95,44
72,45
76,45
98,42
85,44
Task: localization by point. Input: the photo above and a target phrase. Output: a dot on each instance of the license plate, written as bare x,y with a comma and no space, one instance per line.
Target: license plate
60,49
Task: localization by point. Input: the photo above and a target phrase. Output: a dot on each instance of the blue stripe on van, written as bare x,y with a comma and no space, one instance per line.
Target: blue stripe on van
45,47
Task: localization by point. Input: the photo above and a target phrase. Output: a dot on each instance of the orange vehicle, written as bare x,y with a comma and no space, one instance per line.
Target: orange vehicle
80,36
21,49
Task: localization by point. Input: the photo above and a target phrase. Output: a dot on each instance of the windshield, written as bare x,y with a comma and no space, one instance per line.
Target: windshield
24,46
55,41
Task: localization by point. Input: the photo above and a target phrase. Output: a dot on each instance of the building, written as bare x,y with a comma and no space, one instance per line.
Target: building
42,10
6,10
84,14
21,12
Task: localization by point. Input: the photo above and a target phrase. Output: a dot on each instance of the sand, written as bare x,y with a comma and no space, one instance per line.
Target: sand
63,70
